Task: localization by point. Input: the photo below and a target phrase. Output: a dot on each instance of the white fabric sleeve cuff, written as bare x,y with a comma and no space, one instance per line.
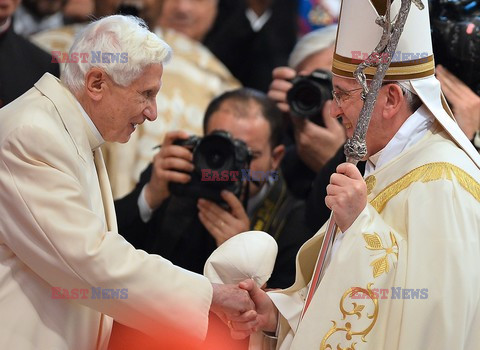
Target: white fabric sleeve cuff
143,207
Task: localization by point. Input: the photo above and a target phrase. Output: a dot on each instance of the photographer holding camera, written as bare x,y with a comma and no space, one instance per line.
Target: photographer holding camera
456,45
169,213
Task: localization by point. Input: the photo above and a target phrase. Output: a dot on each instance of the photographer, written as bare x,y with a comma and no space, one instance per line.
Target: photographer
316,138
456,45
186,229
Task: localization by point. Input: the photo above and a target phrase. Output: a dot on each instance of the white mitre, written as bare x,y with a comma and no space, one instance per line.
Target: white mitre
412,64
246,255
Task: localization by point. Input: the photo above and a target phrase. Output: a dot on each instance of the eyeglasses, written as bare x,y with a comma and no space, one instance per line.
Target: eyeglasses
340,96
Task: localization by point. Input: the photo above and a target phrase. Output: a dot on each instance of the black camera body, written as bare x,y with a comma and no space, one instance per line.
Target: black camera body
308,95
218,160
456,38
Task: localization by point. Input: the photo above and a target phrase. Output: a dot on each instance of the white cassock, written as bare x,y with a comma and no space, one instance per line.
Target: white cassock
58,230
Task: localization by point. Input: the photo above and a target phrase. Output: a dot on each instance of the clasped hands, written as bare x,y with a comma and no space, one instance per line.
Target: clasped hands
245,308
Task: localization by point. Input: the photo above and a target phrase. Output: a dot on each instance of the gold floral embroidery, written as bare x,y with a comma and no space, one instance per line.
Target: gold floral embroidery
374,242
426,173
348,327
371,181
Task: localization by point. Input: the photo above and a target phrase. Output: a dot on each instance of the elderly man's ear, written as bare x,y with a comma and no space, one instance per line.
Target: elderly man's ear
394,98
96,83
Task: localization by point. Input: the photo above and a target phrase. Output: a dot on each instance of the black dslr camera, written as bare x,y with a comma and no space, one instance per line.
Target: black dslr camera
456,38
218,160
308,95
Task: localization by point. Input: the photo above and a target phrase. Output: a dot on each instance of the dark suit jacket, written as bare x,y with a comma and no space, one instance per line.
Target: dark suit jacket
21,65
176,233
251,56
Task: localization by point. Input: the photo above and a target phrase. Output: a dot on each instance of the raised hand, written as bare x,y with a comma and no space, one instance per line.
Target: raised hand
280,86
346,195
465,103
171,164
223,224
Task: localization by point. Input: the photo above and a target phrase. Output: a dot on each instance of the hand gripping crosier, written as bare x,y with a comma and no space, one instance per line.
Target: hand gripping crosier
356,148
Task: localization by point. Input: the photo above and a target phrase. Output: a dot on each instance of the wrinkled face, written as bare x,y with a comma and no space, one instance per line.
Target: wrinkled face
124,107
349,110
194,18
253,129
7,8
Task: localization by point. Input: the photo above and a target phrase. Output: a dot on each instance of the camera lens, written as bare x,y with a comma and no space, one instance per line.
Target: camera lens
215,152
305,99
309,93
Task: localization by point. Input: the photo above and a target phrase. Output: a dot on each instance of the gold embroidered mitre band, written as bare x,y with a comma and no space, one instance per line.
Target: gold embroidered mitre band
358,34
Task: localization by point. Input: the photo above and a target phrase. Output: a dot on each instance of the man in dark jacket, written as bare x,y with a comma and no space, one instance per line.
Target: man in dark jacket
185,229
21,62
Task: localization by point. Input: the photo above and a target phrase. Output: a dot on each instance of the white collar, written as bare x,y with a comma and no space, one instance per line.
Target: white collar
91,125
4,26
412,130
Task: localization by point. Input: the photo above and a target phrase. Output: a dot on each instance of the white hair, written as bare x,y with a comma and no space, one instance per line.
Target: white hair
313,42
120,45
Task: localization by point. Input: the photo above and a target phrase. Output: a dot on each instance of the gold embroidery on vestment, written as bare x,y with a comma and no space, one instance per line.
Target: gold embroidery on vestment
348,328
371,181
426,173
374,242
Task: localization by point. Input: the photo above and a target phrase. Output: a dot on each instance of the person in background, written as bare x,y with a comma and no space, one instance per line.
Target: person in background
252,37
465,103
455,26
317,138
21,62
65,271
316,14
33,16
78,11
187,229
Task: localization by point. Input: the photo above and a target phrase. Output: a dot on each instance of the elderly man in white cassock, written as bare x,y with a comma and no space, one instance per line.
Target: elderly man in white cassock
65,271
403,270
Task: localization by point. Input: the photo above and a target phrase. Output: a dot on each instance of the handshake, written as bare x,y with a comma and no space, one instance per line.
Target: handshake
237,269
245,308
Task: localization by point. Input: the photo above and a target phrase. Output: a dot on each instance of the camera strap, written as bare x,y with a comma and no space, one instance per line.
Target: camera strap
272,213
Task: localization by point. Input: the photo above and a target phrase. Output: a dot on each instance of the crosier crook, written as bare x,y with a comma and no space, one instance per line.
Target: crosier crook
356,147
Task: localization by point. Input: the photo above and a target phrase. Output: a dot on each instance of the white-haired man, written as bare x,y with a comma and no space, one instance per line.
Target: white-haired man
403,270
65,272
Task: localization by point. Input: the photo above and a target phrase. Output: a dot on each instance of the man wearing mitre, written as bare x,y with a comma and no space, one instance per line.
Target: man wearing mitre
403,269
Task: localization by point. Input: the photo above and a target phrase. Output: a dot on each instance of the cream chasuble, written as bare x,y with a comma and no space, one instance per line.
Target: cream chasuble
397,276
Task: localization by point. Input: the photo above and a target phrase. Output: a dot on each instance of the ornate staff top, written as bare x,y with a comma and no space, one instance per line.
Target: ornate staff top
356,147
